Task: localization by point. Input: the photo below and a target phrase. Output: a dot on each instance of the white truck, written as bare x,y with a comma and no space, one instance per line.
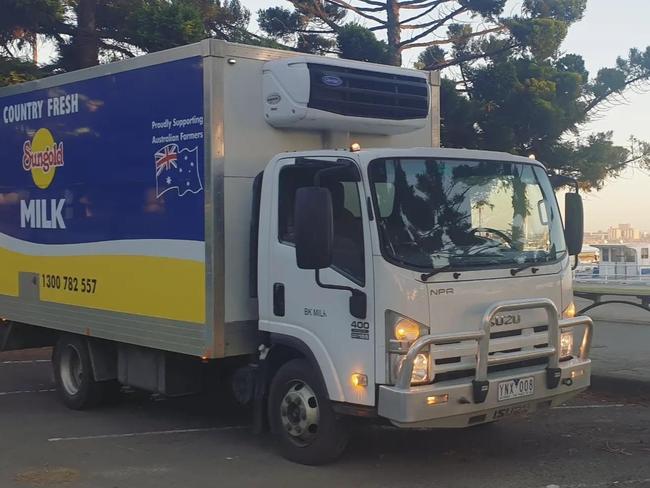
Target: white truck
218,203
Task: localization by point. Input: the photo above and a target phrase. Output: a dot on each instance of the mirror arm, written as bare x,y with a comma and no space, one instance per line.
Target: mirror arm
575,262
332,287
558,181
358,304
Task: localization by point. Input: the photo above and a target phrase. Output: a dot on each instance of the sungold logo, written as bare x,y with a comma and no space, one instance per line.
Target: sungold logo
42,155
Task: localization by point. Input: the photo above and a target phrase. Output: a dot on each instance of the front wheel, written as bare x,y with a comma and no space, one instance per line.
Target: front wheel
301,416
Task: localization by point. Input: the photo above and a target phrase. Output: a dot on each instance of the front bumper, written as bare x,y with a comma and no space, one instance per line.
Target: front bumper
463,402
410,408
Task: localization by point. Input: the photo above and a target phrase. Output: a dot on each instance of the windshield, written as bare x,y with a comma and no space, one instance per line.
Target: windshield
457,213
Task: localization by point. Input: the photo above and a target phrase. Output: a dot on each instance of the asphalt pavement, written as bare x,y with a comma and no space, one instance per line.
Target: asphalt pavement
601,439
621,343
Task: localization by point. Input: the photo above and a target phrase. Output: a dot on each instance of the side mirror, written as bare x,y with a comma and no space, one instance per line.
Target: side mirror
314,227
573,223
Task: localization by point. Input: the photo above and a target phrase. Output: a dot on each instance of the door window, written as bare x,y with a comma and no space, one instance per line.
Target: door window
343,183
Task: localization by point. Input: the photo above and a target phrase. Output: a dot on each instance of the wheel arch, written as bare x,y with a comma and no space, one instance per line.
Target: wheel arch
285,348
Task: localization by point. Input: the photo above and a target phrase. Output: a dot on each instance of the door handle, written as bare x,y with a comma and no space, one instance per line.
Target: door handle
278,299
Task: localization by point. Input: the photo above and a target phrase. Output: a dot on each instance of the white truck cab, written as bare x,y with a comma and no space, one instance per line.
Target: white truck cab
431,286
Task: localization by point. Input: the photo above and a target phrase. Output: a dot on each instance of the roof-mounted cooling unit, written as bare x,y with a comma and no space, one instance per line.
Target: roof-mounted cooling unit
340,95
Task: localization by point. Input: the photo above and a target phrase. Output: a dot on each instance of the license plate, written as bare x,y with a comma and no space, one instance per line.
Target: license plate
517,388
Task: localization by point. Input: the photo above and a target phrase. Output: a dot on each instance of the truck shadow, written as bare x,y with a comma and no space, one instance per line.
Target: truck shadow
387,445
379,445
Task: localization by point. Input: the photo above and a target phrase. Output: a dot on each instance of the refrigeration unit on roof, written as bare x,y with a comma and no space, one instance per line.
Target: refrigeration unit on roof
339,95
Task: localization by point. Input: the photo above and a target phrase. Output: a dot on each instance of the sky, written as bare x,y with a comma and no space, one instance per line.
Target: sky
607,30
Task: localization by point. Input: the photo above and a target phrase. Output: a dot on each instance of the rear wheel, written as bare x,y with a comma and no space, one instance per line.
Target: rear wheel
74,376
302,418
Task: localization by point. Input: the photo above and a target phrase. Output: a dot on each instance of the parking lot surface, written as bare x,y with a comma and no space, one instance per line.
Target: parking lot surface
598,440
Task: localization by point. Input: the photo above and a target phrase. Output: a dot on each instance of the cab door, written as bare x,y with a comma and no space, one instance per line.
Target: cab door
292,303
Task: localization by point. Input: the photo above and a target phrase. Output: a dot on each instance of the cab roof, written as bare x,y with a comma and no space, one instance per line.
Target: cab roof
366,155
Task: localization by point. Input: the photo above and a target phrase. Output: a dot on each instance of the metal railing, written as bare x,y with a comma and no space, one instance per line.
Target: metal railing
483,357
610,271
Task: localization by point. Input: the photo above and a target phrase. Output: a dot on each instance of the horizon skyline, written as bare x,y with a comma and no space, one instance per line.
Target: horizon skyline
614,226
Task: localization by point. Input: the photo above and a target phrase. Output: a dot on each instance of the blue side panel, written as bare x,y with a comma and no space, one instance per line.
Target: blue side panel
102,192
126,154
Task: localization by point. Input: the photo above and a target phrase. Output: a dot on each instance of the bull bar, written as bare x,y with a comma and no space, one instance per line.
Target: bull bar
480,383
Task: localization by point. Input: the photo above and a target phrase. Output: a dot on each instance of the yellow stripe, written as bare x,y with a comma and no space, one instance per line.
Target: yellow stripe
151,286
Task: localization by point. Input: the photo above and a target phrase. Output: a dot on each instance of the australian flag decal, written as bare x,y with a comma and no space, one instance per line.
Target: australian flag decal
177,170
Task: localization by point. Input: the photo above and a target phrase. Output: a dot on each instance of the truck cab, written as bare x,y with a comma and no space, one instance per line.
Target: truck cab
429,287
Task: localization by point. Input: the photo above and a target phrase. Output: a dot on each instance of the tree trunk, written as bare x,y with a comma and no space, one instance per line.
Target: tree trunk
85,44
393,32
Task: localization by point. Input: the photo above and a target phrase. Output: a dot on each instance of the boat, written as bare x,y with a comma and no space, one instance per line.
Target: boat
617,262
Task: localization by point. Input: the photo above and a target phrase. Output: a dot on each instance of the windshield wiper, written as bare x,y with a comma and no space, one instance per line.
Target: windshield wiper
433,272
514,271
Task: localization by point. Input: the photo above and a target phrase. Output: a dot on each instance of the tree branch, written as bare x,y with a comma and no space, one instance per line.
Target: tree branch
597,100
317,10
414,4
421,26
451,39
440,22
314,31
104,45
373,2
415,17
370,9
356,10
468,57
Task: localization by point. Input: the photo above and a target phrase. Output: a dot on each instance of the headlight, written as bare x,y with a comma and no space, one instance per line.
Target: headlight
420,372
566,344
420,368
401,333
406,330
570,311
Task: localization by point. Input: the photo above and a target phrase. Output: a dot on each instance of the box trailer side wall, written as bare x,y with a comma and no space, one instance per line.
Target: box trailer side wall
102,202
134,148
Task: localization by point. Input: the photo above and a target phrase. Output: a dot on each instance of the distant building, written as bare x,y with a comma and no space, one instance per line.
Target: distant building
623,233
617,234
597,237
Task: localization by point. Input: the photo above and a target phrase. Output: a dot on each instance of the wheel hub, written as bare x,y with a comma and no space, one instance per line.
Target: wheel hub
300,414
71,369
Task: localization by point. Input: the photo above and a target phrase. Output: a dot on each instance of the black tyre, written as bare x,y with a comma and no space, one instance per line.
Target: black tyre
73,375
301,416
